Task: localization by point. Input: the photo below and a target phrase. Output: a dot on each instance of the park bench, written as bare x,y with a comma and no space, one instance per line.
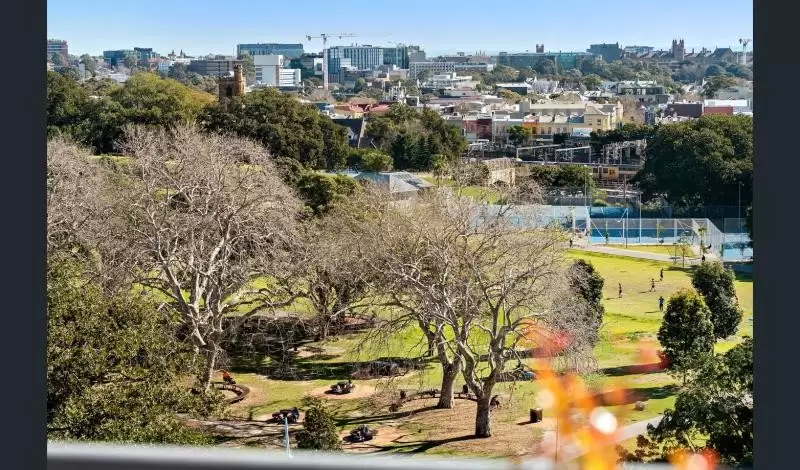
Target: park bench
342,387
362,433
291,416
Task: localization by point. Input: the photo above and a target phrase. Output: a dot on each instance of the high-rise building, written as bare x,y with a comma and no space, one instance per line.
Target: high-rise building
145,54
116,58
609,52
214,67
415,54
289,51
364,57
270,72
57,46
562,60
397,55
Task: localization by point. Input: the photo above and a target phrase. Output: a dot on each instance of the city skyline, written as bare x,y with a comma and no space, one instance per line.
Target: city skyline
438,29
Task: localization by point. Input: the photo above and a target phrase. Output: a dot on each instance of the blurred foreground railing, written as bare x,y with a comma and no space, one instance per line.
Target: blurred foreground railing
64,456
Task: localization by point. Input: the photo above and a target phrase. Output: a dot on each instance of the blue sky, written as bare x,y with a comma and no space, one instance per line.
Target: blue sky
199,26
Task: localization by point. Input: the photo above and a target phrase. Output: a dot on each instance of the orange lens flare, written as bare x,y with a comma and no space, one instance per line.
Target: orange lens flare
589,422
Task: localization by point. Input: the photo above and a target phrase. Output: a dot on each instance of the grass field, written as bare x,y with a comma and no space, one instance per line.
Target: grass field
668,250
630,320
475,192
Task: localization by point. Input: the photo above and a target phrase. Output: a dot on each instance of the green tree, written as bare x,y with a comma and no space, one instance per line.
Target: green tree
130,61
508,95
370,160
686,333
574,178
287,127
717,83
152,100
179,72
715,283
700,162
715,411
112,365
360,85
713,70
101,87
519,135
70,72
525,73
544,175
65,101
588,283
321,192
319,431
592,81
90,63
57,59
545,67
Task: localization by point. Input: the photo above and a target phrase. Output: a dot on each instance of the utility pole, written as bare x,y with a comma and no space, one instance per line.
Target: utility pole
324,37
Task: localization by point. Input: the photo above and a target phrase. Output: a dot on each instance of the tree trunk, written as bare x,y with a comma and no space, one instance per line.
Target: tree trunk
449,374
431,347
211,362
483,418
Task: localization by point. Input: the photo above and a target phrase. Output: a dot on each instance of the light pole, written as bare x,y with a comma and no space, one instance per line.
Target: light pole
739,207
640,216
286,434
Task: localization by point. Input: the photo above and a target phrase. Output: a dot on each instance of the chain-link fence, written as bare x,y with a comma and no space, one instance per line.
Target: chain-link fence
620,225
736,240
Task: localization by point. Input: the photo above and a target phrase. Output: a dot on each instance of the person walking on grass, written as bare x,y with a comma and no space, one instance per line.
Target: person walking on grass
661,303
620,290
652,285
570,242
662,274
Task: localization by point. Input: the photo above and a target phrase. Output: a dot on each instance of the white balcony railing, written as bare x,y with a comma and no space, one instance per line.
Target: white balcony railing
70,456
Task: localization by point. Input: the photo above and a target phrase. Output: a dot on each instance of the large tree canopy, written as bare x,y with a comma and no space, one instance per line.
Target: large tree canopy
98,121
413,138
716,408
287,127
715,283
700,162
112,365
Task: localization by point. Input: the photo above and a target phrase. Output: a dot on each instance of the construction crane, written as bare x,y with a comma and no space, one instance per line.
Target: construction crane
324,37
744,43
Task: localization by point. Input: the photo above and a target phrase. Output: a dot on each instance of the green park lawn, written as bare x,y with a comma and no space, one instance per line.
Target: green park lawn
668,250
476,192
628,321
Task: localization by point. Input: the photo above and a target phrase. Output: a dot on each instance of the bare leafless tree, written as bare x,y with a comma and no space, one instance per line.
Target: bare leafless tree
334,281
475,285
76,195
205,221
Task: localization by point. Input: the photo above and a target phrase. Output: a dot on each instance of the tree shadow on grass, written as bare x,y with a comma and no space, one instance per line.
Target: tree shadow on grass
346,421
418,447
633,369
631,396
